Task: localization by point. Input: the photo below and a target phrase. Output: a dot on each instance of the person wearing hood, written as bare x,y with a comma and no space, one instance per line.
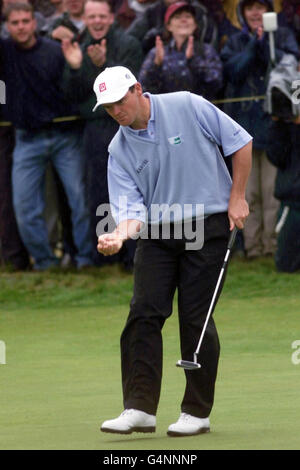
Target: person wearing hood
229,19
283,152
246,59
232,11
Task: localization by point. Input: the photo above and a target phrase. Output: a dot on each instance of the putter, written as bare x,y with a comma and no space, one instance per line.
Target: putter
193,365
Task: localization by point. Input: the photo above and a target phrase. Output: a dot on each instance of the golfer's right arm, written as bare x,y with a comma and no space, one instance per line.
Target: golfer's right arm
111,243
125,201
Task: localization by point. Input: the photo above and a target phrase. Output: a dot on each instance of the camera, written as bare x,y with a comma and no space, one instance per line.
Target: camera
281,97
282,106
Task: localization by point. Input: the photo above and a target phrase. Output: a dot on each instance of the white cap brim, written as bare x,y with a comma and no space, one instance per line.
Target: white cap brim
112,97
112,84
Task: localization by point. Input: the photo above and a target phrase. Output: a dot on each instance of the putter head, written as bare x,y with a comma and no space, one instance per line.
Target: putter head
188,365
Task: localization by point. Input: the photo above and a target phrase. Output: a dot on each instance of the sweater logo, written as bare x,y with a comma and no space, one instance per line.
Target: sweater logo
102,87
176,140
142,166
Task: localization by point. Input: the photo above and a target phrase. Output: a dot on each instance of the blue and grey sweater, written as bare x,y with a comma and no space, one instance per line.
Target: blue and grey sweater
181,165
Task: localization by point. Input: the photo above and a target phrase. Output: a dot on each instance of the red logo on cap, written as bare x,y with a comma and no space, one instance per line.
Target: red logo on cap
102,87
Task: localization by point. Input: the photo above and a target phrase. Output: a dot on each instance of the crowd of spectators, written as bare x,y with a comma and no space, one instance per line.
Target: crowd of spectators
53,147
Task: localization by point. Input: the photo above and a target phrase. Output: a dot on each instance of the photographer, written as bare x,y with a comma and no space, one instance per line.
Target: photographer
284,153
105,46
246,58
70,23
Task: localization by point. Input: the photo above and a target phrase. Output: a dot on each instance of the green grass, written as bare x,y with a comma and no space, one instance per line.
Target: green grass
62,376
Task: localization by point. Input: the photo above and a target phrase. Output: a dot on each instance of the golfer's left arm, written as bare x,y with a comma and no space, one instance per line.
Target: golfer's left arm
235,141
238,209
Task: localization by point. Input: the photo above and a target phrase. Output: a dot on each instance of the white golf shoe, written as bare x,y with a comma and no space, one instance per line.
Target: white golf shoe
188,425
130,421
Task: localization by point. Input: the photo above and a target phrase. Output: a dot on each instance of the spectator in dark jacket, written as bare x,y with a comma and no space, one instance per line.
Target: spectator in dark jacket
229,19
54,11
184,62
70,24
46,7
246,58
225,16
105,46
284,153
126,11
32,71
12,249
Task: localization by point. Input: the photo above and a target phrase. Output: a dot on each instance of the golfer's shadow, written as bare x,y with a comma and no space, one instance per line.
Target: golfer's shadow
136,439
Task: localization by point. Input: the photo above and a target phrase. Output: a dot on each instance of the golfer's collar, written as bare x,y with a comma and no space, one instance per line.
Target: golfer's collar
150,122
152,118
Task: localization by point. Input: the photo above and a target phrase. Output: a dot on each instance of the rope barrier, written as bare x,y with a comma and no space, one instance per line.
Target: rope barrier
55,120
240,100
223,101
66,119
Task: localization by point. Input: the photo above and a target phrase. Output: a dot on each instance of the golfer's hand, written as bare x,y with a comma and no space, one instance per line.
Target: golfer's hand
238,211
110,243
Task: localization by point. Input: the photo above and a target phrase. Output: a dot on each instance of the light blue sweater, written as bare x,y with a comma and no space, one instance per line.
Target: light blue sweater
181,166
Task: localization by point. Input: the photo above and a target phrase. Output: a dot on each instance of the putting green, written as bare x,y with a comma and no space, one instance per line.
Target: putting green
62,379
62,375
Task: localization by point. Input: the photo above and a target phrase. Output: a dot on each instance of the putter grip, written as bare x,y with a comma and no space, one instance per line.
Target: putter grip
232,238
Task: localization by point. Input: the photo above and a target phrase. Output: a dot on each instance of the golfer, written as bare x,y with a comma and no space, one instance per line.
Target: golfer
166,155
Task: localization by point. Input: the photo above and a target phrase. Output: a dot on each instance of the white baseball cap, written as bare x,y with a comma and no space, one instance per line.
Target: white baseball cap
112,84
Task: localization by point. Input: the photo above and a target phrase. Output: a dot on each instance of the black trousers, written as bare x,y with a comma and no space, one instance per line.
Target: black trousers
161,267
